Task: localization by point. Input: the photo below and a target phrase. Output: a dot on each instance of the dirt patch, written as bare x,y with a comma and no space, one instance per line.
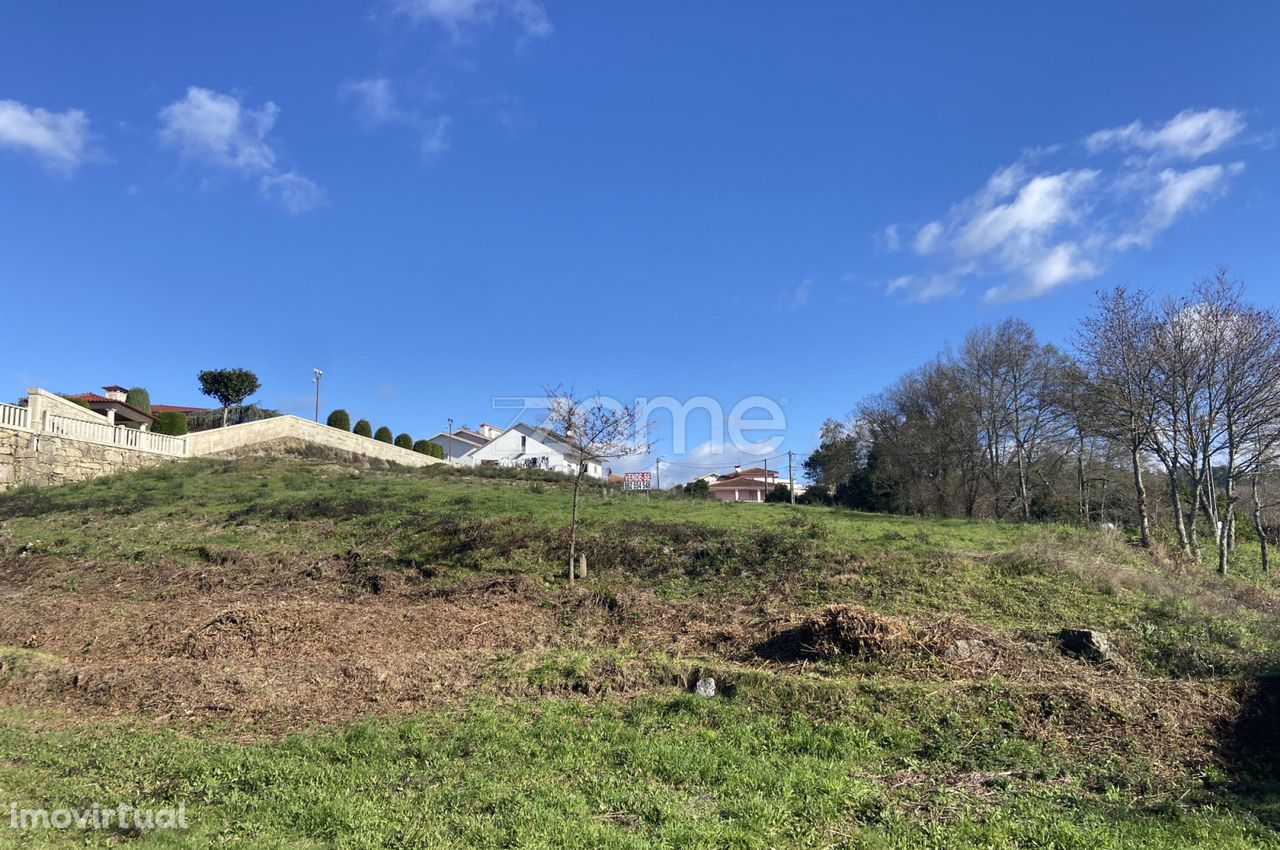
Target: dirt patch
188,643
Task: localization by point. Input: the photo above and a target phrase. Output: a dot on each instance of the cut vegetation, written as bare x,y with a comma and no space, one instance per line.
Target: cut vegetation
305,656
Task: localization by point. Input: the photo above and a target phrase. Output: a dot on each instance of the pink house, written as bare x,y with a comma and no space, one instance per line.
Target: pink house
744,485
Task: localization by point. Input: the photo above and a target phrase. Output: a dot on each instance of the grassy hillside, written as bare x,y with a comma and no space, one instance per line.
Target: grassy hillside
309,657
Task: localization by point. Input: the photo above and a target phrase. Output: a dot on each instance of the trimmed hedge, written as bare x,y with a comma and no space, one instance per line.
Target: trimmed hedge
170,422
426,447
404,441
383,435
363,428
339,419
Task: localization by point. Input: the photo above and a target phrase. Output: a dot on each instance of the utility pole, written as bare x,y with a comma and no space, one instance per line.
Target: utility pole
766,479
449,442
657,474
316,375
791,474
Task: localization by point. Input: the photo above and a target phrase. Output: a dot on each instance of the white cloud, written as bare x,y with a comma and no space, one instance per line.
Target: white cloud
1190,134
921,289
217,130
1063,263
375,101
435,136
60,140
293,192
378,105
1035,228
796,298
1178,191
891,237
703,459
1041,205
455,16
927,238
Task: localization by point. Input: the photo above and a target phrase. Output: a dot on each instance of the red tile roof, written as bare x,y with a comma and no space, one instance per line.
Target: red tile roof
741,483
94,398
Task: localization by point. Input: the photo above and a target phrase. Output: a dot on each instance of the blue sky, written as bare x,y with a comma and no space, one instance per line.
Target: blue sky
442,201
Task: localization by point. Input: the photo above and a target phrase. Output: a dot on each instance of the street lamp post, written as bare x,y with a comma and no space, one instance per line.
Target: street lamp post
316,375
448,442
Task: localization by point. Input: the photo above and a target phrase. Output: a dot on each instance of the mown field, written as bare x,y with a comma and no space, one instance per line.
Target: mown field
307,656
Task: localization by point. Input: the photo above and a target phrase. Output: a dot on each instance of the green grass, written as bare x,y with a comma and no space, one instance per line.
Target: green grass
1031,578
670,772
546,753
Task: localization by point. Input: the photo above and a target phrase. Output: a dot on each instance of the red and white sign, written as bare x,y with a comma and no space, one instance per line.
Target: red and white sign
636,480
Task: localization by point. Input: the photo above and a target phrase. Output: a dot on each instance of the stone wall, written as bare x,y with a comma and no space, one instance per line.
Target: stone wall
292,435
41,459
39,401
34,457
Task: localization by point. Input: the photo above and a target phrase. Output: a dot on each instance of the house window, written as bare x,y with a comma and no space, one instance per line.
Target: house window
524,444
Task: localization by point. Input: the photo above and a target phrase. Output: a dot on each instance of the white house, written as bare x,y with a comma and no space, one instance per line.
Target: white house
457,444
524,445
460,443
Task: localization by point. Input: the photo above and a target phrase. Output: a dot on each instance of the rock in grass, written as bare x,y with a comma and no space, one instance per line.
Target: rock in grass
706,687
1088,645
968,650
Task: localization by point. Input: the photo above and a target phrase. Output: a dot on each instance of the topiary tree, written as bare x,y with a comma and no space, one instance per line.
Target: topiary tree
383,434
205,420
228,386
339,419
426,447
170,422
363,428
139,398
404,441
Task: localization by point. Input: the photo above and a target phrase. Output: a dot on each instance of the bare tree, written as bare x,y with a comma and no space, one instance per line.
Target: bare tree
1114,346
1261,504
1248,378
1076,404
596,431
984,359
1179,391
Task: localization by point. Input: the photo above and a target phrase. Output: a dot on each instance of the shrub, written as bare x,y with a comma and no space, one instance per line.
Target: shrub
817,494
78,402
404,441
779,493
698,489
170,422
383,434
339,419
426,447
363,428
139,398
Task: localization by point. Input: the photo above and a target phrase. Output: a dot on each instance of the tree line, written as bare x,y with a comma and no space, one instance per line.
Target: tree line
1164,414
